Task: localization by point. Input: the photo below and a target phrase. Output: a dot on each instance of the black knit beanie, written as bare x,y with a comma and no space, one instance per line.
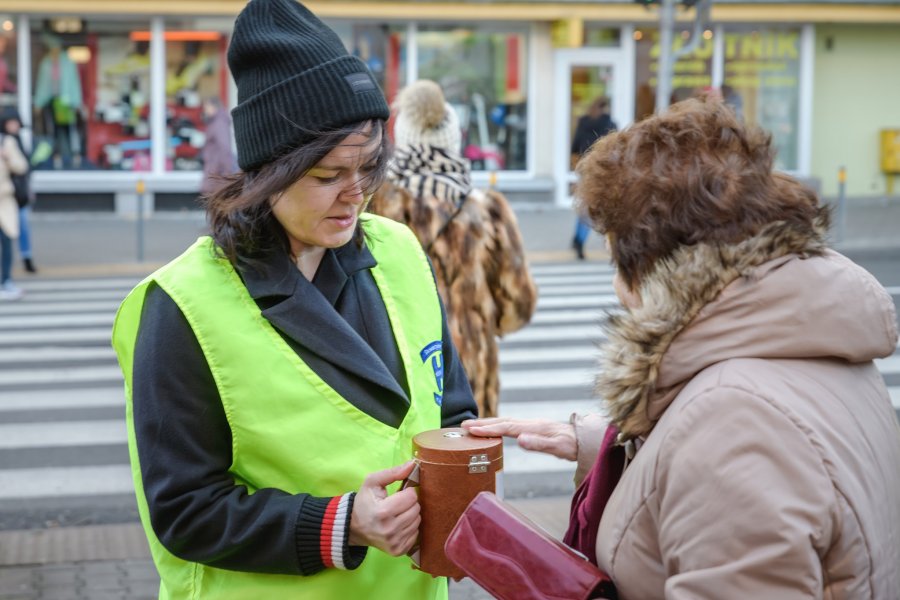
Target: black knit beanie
294,78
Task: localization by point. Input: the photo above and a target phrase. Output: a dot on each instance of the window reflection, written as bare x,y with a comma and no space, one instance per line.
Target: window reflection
762,84
195,72
8,63
692,73
91,98
483,72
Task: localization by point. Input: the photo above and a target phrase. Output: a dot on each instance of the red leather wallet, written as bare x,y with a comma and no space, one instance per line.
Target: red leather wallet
514,559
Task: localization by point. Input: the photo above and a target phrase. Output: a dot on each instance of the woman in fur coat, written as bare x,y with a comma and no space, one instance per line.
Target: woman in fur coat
471,236
753,451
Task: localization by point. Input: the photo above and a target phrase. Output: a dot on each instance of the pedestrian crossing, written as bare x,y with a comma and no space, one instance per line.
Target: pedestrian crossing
63,440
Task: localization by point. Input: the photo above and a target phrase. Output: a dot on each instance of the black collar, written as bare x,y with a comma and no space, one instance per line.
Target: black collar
276,275
306,312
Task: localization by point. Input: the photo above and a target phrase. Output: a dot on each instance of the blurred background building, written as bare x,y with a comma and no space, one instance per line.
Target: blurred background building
112,90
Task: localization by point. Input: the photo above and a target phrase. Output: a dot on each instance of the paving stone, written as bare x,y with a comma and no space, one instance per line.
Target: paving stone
97,582
142,591
73,576
16,579
101,568
53,593
144,573
107,594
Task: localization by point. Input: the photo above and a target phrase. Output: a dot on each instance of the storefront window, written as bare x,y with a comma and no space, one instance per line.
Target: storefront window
483,70
762,83
590,85
692,74
597,35
383,49
196,77
91,95
8,63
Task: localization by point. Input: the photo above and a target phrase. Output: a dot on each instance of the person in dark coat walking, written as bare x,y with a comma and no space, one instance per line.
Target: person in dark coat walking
590,128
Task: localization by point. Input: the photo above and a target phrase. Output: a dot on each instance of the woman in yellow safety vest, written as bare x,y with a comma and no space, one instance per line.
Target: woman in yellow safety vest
277,371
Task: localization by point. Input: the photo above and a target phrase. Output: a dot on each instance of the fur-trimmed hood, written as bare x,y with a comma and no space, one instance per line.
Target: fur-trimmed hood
779,294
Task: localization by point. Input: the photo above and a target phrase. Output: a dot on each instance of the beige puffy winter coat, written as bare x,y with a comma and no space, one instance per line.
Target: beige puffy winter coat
770,458
12,161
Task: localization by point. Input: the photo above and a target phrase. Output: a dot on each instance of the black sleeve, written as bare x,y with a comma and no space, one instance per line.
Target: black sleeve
458,403
184,447
578,137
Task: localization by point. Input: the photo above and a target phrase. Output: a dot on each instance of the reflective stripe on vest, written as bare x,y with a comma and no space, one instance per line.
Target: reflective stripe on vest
290,430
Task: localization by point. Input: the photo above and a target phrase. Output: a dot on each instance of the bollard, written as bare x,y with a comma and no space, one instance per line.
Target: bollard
842,203
140,189
492,180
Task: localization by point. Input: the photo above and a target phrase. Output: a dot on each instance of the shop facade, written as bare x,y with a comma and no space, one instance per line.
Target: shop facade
113,99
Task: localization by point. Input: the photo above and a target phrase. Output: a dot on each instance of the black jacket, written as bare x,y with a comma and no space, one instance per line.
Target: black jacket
589,130
338,325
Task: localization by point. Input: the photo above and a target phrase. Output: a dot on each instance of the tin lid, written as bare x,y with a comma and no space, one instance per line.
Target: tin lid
454,445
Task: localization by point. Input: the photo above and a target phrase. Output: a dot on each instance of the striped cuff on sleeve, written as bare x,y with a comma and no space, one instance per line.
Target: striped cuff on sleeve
323,532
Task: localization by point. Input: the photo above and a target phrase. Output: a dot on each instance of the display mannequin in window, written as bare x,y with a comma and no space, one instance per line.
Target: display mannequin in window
58,97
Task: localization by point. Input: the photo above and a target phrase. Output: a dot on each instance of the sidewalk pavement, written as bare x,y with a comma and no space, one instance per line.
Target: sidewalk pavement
103,244
105,562
112,561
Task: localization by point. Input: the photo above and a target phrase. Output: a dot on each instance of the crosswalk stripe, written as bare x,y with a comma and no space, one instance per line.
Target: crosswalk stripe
552,410
59,482
65,285
55,336
893,290
590,316
546,378
55,400
573,300
583,290
62,434
51,354
548,334
30,307
100,375
516,356
45,321
538,269
63,297
549,281
894,391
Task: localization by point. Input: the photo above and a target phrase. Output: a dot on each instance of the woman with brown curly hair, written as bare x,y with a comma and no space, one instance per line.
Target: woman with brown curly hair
758,441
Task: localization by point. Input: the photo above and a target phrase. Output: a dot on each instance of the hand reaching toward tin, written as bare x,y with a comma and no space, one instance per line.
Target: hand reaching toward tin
538,435
389,523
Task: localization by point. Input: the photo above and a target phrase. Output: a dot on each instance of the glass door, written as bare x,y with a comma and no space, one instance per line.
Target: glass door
590,87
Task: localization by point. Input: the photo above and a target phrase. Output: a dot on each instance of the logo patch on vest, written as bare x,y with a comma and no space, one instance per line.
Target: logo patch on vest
434,351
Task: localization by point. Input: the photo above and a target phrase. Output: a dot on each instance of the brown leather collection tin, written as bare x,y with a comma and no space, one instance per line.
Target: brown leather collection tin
453,467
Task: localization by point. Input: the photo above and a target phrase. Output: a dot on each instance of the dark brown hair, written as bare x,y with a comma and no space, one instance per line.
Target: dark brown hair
239,213
692,174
